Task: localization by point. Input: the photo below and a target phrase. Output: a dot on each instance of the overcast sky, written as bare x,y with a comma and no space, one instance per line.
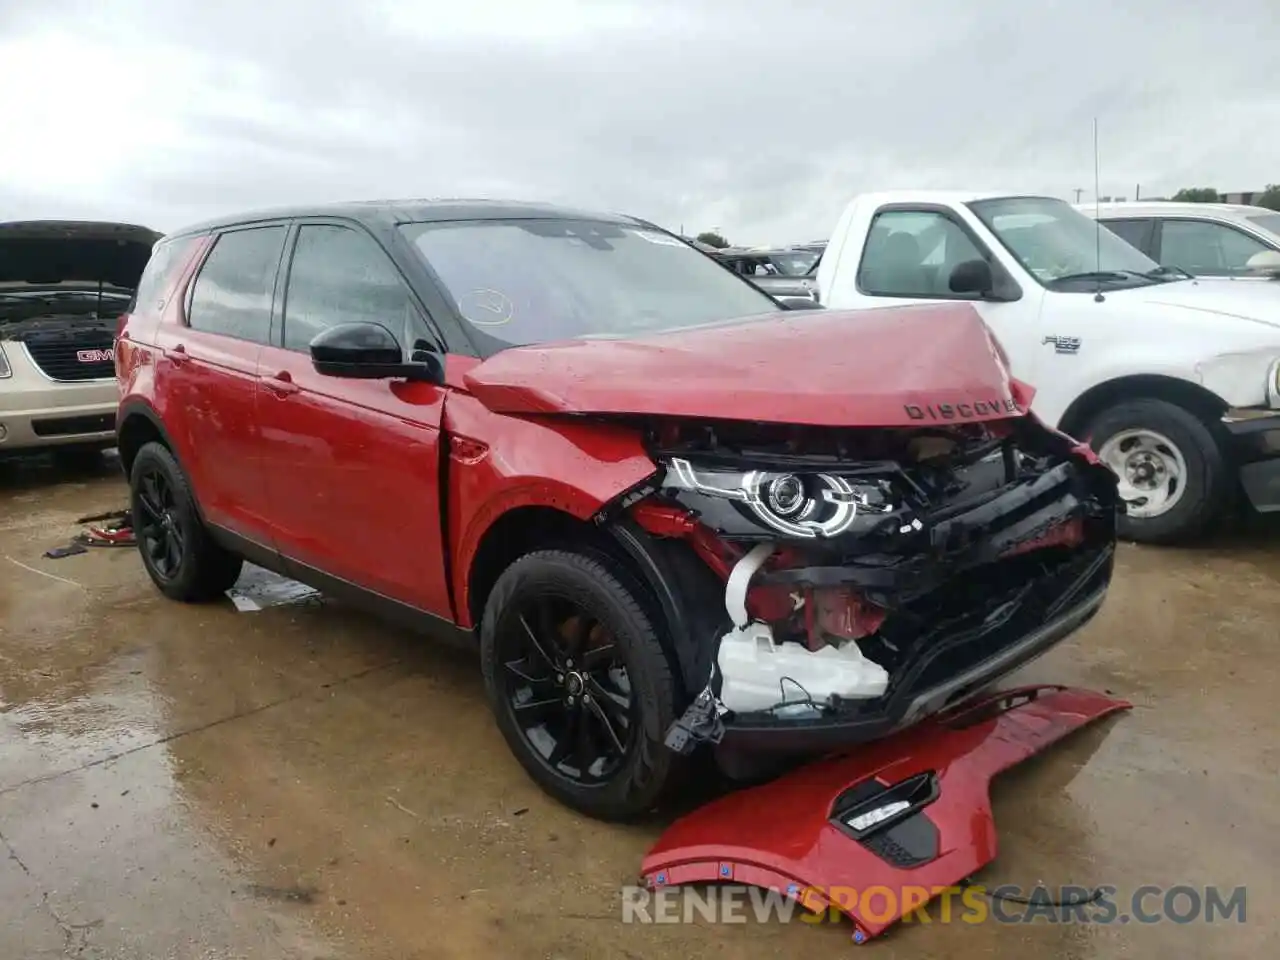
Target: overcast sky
761,118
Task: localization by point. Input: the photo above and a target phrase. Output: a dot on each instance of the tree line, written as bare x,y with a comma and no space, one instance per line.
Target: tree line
1269,198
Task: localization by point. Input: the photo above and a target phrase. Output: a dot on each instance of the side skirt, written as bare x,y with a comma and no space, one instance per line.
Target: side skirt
385,608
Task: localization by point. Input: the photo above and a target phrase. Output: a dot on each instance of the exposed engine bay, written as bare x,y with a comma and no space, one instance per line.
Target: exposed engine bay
863,566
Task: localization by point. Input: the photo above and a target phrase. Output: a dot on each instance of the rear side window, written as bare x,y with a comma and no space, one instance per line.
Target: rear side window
1136,233
1209,249
167,260
232,294
338,276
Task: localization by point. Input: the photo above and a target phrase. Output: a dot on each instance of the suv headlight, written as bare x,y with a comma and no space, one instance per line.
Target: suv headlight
5,369
802,504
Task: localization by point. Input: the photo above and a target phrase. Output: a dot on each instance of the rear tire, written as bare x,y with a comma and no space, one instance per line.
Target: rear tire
1136,437
642,774
181,558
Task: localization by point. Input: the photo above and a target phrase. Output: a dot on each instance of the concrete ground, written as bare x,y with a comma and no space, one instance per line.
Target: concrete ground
305,782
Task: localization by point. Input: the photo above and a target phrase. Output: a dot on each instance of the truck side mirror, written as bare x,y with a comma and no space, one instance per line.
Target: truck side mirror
972,277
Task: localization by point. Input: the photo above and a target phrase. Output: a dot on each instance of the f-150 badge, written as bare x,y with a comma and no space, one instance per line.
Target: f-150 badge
1063,344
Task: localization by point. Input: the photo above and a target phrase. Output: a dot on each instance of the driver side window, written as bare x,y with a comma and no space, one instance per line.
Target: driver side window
911,253
339,275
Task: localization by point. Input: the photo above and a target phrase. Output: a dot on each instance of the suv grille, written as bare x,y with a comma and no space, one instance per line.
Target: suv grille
84,355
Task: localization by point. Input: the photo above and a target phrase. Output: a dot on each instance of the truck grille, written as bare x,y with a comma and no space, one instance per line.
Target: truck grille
87,355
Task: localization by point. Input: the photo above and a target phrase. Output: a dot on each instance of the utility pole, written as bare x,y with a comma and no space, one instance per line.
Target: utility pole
1137,191
1079,191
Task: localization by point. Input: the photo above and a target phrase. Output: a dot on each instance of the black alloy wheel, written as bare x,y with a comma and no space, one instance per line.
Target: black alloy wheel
580,686
566,685
157,528
180,556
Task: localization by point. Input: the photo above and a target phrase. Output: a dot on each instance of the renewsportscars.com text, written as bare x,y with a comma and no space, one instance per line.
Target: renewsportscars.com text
973,904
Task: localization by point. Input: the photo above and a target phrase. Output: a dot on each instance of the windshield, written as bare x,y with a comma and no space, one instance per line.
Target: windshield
1267,221
532,281
1058,244
794,263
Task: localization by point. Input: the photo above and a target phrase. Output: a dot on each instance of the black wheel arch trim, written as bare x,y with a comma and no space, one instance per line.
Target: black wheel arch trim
684,597
140,408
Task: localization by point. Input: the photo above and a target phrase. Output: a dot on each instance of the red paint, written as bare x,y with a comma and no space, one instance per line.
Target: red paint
823,368
351,471
574,468
778,835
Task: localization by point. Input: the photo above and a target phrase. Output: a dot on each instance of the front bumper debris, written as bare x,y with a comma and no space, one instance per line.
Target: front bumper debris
909,813
1255,449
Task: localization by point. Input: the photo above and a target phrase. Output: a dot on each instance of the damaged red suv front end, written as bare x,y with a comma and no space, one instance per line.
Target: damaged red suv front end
875,576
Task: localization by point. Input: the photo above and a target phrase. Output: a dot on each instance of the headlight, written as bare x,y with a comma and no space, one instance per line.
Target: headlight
5,369
801,504
1273,385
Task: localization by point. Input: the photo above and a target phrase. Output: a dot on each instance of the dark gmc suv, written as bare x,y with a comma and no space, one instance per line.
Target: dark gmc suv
666,510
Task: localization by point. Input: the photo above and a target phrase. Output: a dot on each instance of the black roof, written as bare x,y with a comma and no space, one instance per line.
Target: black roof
391,212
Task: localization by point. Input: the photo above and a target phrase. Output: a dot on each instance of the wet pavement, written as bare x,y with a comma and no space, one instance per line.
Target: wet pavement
306,782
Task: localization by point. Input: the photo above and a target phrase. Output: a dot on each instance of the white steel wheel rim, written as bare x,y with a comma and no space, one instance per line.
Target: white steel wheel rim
1151,468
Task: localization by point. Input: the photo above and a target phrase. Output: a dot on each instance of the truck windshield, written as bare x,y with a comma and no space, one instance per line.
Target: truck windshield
520,282
1064,249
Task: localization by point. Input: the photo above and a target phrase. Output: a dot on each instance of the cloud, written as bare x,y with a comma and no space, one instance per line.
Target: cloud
759,118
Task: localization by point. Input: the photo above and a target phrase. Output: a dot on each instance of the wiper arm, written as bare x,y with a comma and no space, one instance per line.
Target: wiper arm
1165,273
1103,276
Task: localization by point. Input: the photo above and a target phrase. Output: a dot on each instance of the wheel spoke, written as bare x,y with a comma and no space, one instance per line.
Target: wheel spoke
149,498
531,713
597,657
525,669
617,706
567,739
598,712
172,554
543,646
583,748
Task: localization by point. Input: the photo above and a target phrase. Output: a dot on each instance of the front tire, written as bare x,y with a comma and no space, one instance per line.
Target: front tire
1171,469
181,558
579,684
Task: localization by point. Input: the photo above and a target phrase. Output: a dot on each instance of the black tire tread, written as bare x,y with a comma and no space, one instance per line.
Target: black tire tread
209,569
655,772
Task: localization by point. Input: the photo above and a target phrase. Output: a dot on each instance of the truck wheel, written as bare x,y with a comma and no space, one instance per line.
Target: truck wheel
579,684
1171,469
177,551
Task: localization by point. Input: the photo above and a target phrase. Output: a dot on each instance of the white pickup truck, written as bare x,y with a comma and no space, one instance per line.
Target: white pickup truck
1175,382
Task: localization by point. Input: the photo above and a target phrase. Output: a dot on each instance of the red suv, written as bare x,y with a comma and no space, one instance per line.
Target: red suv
668,511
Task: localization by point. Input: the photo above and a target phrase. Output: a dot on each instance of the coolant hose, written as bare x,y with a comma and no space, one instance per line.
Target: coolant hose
735,591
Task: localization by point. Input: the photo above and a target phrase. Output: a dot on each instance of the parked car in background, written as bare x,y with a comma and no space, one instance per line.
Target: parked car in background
1205,239
1174,381
780,272
666,512
63,284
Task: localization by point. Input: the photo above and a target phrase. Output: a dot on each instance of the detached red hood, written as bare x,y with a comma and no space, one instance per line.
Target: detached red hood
899,366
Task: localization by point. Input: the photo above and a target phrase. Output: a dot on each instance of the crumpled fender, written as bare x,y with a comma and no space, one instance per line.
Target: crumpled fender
788,835
501,463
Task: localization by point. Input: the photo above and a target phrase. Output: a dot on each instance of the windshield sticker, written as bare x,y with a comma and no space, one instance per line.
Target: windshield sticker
659,238
486,308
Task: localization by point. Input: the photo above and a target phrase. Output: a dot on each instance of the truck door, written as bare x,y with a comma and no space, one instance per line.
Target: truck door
911,254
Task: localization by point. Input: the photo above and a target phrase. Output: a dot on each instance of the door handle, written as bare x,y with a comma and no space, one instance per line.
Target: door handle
178,355
281,384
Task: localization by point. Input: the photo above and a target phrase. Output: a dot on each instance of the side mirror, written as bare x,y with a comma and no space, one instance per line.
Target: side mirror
972,277
1267,262
368,351
798,303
